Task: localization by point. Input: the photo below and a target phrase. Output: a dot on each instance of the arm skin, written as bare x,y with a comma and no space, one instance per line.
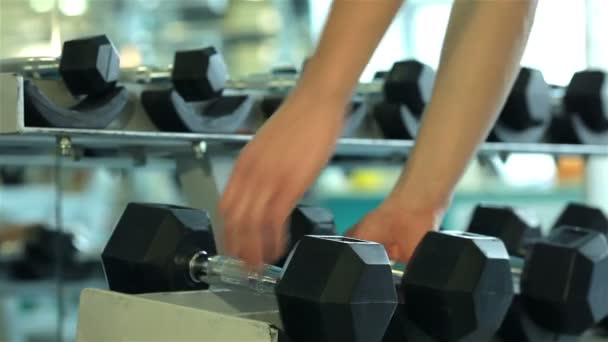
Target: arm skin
353,30
481,56
480,59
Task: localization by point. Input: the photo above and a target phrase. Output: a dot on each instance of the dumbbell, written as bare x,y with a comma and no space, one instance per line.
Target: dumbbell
332,288
88,67
584,216
564,280
582,115
43,249
307,220
526,115
196,102
407,88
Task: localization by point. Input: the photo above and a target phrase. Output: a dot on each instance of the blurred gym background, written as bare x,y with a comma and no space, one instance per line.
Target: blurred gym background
254,36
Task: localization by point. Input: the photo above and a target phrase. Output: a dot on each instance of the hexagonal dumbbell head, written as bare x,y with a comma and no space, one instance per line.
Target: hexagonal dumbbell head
89,65
583,216
336,289
308,220
409,83
587,95
517,228
458,286
200,74
529,102
152,245
564,281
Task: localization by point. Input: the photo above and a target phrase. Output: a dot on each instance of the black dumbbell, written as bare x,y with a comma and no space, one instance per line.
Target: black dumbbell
163,248
44,250
526,115
517,228
307,220
200,74
324,294
556,294
450,296
582,114
196,102
584,216
89,67
407,88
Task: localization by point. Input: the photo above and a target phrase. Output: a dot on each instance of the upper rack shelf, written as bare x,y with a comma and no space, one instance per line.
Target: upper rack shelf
139,142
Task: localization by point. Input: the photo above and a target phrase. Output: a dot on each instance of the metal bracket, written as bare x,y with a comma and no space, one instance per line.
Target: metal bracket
203,177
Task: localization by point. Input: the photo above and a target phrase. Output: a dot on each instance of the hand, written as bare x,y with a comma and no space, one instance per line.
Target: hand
272,173
399,225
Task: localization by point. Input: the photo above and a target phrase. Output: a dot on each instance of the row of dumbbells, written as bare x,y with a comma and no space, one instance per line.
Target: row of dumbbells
563,288
459,286
196,95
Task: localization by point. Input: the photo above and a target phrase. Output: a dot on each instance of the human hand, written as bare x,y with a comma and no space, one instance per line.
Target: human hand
399,224
272,173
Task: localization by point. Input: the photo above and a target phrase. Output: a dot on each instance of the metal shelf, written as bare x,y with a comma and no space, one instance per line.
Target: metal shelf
132,148
139,143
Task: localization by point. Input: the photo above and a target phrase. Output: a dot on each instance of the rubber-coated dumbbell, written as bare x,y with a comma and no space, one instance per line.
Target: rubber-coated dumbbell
88,66
196,102
407,88
526,115
307,220
584,216
564,281
328,286
44,249
582,114
450,293
168,248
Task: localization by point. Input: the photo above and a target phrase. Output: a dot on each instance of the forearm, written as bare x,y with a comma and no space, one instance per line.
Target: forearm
353,30
479,62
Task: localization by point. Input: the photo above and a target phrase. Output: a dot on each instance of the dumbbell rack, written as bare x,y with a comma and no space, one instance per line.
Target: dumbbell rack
197,157
202,161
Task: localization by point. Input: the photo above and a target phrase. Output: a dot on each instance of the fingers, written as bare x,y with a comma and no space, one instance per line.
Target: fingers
227,207
255,210
251,253
369,229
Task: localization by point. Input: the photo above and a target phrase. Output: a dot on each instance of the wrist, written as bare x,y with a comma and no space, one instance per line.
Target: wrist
325,84
421,194
327,111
